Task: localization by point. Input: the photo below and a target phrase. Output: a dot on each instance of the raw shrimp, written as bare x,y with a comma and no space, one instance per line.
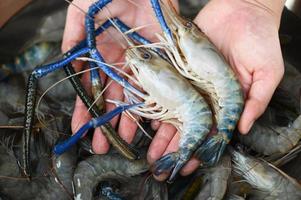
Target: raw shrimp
269,182
214,181
234,197
53,183
115,176
196,58
272,140
170,98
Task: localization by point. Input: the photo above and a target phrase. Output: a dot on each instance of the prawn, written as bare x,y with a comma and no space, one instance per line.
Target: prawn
114,176
280,139
196,58
170,98
269,181
214,181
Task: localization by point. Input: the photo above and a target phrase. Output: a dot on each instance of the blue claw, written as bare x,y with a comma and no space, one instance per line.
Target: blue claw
159,14
95,122
94,53
46,69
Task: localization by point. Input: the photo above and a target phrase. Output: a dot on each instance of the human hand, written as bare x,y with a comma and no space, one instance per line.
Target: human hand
246,32
134,14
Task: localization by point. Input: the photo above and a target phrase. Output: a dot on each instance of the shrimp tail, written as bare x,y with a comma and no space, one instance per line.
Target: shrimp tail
170,163
212,149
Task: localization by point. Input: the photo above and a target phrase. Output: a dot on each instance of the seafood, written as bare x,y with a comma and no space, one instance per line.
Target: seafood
196,58
170,98
268,181
234,197
280,139
44,70
115,176
51,180
31,57
288,94
214,181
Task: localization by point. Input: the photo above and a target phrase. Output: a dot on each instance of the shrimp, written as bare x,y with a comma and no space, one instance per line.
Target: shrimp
27,60
214,181
197,59
174,100
269,182
54,184
115,176
233,197
280,140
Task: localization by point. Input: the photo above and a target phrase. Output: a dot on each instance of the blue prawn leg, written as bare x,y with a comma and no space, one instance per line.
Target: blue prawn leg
31,100
94,53
95,122
159,14
42,71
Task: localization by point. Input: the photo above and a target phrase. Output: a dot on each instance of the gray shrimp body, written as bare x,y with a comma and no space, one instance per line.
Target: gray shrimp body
31,57
268,181
196,58
121,176
55,184
177,101
216,180
291,84
234,197
272,140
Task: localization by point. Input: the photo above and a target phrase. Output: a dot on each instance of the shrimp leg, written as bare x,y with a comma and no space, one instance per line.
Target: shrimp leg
198,60
42,71
95,122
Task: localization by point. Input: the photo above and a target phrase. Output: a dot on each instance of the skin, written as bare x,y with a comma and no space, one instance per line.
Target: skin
245,31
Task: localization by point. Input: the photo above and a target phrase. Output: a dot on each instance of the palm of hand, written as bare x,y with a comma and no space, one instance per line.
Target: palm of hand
247,35
109,45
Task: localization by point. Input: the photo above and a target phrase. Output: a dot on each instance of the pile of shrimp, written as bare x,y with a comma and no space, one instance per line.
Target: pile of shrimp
182,80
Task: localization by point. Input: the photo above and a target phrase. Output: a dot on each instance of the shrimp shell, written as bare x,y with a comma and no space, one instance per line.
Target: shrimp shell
98,168
176,101
196,58
280,140
268,181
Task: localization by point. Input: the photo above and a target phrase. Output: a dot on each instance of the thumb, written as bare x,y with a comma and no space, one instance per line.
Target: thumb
260,94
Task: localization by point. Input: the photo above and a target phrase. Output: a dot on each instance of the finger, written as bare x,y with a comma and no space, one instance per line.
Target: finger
127,128
259,95
100,143
155,124
172,147
190,166
80,115
74,28
113,92
160,142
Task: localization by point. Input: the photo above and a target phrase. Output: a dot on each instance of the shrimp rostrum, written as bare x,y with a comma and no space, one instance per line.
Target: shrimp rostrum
197,59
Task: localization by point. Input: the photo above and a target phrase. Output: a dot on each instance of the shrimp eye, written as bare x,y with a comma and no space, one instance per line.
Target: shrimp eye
146,56
188,24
